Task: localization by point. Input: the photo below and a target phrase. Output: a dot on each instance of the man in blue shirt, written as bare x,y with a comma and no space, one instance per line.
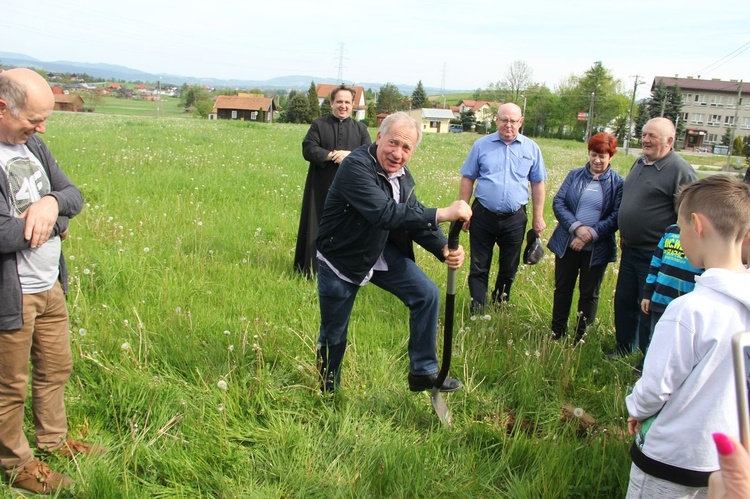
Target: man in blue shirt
502,165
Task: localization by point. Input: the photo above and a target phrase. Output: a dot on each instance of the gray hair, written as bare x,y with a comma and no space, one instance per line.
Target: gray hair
401,117
13,93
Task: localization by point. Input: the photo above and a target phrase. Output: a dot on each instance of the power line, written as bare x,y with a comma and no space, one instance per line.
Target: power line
715,65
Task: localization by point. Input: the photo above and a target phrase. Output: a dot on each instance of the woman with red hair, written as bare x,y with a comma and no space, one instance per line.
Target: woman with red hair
583,242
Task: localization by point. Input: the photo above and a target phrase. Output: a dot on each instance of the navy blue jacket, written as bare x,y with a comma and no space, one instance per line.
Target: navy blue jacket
565,205
360,216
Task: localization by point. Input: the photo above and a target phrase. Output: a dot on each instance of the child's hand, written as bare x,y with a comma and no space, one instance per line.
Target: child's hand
646,306
633,425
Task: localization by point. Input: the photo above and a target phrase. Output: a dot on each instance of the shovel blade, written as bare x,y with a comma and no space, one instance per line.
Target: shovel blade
441,408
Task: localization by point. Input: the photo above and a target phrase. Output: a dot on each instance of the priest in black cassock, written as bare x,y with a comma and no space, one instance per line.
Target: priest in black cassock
328,141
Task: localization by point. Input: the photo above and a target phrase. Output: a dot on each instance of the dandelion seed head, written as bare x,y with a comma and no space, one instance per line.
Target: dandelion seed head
146,249
227,332
578,412
222,385
82,332
86,271
486,317
125,347
221,407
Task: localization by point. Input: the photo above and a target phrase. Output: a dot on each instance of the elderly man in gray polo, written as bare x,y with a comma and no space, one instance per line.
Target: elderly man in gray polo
647,208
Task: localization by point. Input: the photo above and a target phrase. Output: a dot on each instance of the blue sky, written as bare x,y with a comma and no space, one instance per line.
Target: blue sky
458,45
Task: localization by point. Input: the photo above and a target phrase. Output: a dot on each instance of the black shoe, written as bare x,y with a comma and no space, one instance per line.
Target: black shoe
427,382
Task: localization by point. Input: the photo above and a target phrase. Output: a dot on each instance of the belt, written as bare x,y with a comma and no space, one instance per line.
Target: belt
500,216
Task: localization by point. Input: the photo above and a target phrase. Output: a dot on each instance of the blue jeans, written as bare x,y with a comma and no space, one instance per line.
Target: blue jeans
632,326
486,230
405,280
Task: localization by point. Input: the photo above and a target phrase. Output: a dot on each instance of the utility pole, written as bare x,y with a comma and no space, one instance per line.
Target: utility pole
340,77
442,85
733,127
590,117
630,120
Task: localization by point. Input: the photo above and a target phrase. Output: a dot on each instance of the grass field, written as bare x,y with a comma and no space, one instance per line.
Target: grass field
138,107
194,340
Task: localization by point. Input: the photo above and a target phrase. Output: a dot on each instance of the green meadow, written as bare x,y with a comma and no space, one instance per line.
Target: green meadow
194,341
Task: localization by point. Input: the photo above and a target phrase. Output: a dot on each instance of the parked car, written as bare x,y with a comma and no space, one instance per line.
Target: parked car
456,128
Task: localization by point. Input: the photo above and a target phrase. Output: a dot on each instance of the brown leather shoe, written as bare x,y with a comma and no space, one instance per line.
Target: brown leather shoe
37,477
73,447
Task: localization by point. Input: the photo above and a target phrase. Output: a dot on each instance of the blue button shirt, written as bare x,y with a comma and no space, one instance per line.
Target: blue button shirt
503,171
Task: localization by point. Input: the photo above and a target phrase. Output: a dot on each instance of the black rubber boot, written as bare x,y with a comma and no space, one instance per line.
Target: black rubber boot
329,366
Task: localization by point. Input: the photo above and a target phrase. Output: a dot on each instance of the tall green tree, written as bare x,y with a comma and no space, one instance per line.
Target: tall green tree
312,97
325,108
390,99
468,119
641,117
298,109
609,100
191,94
673,111
657,103
418,97
727,137
371,115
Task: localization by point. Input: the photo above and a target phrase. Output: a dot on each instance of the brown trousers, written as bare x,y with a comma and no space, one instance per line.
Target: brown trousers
45,340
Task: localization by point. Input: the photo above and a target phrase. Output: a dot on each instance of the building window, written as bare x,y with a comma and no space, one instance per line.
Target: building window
697,118
234,114
714,120
729,101
434,124
254,115
717,101
699,100
712,138
745,125
728,121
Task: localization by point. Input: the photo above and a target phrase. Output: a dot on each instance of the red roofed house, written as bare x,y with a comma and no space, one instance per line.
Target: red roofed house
69,102
483,110
244,107
359,106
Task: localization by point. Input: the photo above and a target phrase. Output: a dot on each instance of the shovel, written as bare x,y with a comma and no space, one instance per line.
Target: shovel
441,408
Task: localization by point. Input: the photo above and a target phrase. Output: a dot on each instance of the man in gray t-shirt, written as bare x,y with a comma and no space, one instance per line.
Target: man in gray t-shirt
36,201
646,210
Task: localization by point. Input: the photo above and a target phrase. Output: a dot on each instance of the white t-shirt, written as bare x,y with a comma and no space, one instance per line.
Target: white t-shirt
38,268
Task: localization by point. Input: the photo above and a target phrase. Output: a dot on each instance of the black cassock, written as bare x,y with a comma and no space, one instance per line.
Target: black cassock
325,135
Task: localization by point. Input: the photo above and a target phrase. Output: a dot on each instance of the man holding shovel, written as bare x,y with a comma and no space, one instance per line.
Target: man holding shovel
370,219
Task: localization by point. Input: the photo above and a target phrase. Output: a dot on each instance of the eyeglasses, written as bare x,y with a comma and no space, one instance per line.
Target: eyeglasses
505,121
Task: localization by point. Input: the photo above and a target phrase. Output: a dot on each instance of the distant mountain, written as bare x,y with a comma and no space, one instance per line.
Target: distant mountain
115,72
